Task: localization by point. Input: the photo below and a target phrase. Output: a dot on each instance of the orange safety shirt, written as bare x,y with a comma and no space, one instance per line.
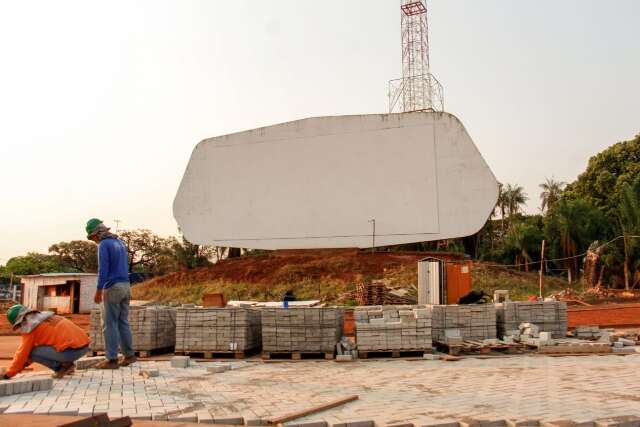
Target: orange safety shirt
57,332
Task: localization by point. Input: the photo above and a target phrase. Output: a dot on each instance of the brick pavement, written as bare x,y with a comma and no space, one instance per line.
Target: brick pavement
391,391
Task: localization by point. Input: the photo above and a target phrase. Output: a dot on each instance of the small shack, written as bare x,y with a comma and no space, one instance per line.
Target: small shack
64,293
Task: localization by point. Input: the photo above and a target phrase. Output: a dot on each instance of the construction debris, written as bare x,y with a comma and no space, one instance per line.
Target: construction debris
152,327
393,328
301,329
377,292
217,329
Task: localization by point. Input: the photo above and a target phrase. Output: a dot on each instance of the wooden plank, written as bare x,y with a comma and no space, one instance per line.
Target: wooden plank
299,414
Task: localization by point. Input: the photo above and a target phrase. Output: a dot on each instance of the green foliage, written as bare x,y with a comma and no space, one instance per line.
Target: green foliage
35,263
190,256
551,193
149,252
571,227
607,172
80,255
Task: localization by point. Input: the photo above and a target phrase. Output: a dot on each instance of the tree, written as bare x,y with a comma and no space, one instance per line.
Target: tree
148,251
629,217
35,263
190,256
80,255
607,172
570,228
515,197
551,193
523,241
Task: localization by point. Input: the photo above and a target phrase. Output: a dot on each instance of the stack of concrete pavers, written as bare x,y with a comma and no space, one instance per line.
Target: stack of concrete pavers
393,328
549,316
152,327
25,385
217,329
474,321
301,329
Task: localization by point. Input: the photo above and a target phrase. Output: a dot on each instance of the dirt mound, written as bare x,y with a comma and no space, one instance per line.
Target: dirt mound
293,266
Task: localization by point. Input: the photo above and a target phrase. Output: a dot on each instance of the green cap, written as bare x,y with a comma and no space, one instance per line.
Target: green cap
92,224
12,313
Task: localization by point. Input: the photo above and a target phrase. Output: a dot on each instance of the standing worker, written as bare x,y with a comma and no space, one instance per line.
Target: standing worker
114,291
45,338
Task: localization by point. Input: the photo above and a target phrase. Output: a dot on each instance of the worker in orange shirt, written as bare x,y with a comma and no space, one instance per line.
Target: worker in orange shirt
50,340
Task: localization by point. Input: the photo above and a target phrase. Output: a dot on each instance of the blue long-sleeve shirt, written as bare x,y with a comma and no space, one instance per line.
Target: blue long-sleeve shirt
113,263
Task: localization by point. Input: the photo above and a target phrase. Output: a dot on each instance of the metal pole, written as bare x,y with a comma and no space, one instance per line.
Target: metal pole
542,271
373,235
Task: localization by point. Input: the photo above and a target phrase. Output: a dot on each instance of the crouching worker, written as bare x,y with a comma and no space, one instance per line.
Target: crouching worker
50,340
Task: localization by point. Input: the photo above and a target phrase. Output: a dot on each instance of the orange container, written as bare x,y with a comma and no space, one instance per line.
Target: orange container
458,280
349,326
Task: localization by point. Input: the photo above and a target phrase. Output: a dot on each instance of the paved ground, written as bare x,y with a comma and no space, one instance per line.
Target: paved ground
390,390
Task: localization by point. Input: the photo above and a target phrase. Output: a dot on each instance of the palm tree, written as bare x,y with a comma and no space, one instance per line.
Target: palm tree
515,198
551,192
629,217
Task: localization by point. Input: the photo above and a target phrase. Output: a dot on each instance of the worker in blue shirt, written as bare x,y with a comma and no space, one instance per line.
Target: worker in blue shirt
114,292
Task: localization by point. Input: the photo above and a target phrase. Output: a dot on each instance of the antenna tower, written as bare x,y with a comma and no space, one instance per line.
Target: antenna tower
417,90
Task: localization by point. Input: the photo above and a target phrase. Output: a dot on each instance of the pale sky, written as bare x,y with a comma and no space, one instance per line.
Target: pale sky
102,103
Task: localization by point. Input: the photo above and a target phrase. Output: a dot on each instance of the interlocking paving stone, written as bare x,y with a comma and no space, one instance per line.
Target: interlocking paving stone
521,390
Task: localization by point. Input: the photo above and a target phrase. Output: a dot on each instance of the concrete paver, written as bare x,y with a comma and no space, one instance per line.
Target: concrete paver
391,391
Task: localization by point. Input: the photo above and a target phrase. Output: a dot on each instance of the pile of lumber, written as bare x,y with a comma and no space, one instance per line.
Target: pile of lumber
217,329
301,329
376,292
468,322
152,327
548,316
393,328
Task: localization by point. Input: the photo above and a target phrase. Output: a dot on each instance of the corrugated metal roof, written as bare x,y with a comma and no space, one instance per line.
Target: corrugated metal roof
58,275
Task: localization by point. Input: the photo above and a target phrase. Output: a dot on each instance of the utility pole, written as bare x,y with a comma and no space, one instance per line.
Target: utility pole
117,222
542,271
373,235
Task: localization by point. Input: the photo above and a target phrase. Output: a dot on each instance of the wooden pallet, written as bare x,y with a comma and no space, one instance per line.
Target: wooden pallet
478,347
141,353
370,354
297,355
206,354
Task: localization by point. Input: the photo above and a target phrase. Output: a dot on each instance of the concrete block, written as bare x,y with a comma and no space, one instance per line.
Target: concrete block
367,423
236,420
428,356
626,342
523,423
256,422
218,369
344,358
87,362
180,361
309,424
451,424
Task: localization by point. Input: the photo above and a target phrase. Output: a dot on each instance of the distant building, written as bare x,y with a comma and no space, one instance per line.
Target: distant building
63,293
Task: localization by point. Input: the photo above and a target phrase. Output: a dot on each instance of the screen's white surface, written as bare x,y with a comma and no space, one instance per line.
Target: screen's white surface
317,182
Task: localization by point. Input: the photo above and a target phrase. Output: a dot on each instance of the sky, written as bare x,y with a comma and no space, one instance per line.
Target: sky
102,103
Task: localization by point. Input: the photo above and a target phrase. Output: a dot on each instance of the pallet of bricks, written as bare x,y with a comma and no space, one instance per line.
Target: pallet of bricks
218,331
465,327
295,332
153,329
548,316
392,329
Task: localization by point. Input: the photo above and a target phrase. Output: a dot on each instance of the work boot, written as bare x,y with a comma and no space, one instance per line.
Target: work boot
66,368
128,360
108,364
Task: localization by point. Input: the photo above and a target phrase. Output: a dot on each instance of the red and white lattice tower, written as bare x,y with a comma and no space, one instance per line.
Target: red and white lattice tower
418,89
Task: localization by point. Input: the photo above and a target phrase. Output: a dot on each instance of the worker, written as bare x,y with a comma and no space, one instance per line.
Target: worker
46,338
114,292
